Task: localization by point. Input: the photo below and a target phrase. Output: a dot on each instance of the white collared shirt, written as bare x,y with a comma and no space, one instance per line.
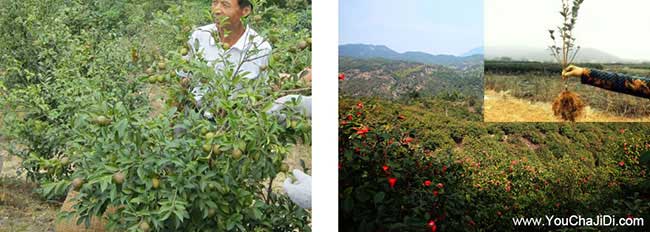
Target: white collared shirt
202,41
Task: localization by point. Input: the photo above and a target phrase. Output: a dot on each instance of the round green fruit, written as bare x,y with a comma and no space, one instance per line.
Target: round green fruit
207,148
302,45
155,183
102,120
77,183
209,135
118,178
284,167
162,65
236,154
65,161
144,226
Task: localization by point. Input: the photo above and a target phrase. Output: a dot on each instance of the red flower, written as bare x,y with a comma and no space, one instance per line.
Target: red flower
343,123
499,213
557,205
621,163
359,105
349,117
362,130
433,226
622,130
514,162
392,181
440,185
401,117
427,183
358,114
472,223
341,76
357,149
444,168
385,168
435,193
408,140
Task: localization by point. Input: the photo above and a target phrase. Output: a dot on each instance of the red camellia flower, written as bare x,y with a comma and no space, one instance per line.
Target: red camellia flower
408,140
427,183
341,76
359,105
385,168
349,117
343,123
622,130
440,185
362,130
433,226
392,181
435,193
401,117
621,163
444,168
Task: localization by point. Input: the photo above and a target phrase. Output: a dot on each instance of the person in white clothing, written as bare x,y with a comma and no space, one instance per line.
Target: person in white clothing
230,43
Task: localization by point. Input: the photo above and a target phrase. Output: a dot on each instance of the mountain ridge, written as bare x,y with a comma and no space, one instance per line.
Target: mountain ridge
366,51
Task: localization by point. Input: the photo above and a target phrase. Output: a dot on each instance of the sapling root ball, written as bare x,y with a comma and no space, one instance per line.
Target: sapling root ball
568,106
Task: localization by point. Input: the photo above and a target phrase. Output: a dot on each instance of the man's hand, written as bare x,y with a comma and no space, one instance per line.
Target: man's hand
305,75
572,71
299,192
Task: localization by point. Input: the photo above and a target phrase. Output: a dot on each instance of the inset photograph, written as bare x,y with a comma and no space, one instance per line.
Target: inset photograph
582,61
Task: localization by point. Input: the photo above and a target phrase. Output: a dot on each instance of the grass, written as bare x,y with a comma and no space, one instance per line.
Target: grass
503,107
545,88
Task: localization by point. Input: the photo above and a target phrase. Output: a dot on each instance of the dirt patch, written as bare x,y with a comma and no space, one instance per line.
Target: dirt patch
23,210
529,143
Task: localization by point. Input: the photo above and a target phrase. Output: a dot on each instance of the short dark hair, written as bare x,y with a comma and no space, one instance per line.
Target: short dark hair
245,3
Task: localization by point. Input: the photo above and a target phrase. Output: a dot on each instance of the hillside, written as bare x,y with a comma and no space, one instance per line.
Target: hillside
487,173
396,79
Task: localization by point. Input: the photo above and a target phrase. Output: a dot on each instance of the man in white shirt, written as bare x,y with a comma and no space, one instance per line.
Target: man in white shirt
230,43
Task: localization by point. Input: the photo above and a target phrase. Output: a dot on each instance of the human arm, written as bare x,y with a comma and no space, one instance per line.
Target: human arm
617,82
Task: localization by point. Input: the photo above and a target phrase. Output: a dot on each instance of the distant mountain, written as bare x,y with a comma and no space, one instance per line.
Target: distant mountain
364,51
585,55
475,51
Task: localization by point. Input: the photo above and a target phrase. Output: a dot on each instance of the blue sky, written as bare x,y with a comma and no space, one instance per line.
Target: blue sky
433,26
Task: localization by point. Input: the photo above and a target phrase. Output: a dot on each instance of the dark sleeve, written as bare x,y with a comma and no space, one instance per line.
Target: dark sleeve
617,82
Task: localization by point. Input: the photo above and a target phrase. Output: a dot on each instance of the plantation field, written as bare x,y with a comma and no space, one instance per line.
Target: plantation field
545,88
408,165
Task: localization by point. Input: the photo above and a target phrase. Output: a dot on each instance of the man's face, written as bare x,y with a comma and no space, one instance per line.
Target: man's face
228,10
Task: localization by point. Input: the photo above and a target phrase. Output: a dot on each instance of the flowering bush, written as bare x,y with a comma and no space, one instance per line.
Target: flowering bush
392,156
